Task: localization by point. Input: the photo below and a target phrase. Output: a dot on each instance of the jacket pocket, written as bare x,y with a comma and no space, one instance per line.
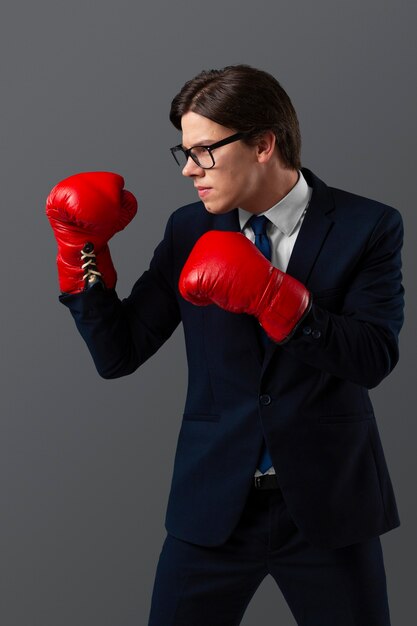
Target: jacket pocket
346,419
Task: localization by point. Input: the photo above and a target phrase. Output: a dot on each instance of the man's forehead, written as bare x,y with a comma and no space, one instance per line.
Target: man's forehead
199,130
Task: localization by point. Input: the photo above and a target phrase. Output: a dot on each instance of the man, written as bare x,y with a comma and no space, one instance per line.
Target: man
290,295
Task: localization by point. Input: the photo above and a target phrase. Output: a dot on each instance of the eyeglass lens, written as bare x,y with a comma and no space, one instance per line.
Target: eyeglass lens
200,155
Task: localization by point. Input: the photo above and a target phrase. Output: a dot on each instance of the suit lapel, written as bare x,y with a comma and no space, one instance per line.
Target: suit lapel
227,221
313,232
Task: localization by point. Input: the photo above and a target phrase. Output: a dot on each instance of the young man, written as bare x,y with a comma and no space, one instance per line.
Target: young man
290,295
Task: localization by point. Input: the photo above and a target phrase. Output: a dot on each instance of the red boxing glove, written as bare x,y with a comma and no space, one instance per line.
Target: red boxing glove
227,269
85,211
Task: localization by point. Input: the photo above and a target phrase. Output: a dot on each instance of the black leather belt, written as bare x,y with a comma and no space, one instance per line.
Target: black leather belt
266,481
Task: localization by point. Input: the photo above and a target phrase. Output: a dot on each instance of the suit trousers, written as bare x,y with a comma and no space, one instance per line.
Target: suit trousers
212,586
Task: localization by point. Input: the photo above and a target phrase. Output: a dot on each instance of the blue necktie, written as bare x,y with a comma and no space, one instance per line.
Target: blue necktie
258,225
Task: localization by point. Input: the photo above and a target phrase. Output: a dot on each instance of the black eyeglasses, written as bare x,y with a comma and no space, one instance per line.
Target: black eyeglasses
202,155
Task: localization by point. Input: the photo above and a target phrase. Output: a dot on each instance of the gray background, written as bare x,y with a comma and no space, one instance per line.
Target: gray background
86,463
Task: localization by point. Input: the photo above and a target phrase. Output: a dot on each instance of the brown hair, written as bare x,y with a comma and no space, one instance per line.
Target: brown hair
245,99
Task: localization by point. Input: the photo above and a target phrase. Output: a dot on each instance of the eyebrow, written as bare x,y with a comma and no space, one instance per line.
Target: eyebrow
202,142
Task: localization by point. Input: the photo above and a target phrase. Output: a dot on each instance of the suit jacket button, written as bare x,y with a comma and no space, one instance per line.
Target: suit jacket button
265,399
306,330
316,334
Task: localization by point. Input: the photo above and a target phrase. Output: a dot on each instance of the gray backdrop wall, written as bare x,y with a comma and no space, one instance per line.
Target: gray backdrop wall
87,86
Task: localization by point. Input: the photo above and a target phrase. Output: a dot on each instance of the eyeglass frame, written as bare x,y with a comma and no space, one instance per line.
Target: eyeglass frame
218,144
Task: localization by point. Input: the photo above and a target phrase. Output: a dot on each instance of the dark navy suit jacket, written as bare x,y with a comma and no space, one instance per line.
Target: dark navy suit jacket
308,396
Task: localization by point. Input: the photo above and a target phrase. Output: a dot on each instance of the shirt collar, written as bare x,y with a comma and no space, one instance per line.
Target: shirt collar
287,212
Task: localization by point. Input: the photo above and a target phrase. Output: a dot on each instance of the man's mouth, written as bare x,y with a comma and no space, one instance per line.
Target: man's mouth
203,191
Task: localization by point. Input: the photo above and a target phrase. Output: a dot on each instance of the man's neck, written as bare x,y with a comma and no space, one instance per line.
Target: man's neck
277,185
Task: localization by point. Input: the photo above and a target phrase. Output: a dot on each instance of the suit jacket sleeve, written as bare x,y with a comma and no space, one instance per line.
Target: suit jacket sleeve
122,334
359,342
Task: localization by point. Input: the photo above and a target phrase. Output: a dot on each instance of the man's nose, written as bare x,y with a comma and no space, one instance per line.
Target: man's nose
191,168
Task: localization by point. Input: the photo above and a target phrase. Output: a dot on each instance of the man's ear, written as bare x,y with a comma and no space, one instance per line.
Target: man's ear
266,146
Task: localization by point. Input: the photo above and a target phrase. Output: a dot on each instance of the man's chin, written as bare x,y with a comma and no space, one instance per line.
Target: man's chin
216,209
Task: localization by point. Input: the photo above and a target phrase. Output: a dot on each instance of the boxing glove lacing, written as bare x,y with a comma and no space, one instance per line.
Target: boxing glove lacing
92,274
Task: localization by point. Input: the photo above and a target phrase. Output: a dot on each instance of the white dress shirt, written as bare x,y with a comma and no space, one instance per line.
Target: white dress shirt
285,219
